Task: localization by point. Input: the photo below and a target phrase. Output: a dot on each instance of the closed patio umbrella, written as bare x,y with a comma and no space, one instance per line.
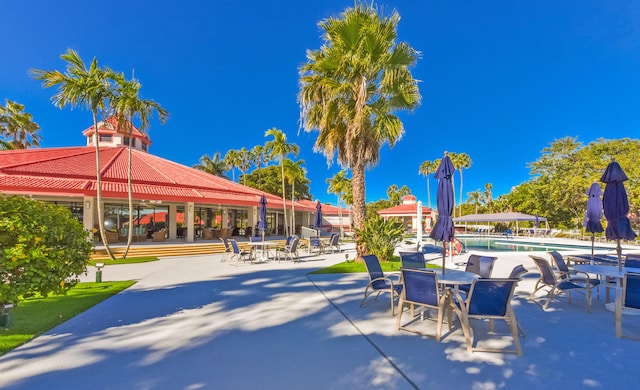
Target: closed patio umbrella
262,223
317,221
616,207
444,229
593,214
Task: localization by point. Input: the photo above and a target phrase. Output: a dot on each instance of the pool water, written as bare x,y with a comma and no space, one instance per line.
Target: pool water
496,244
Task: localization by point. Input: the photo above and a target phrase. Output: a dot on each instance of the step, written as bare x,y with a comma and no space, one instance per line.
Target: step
168,250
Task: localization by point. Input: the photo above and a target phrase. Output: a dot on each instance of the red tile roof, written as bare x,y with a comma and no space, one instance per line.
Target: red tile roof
71,172
404,210
327,209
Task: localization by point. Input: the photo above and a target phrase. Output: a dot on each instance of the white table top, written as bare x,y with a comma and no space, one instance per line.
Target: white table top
263,243
605,270
452,276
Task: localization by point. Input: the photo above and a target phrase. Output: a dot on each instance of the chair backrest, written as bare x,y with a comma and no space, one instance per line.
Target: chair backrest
631,290
480,265
632,260
234,245
225,241
293,246
420,286
314,241
517,272
334,239
412,260
546,273
559,260
490,297
373,266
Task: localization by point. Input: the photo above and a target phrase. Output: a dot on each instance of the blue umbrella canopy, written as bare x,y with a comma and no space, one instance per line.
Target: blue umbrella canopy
444,229
616,207
317,221
593,214
262,223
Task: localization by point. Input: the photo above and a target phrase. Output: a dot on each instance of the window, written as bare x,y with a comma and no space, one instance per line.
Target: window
144,146
105,138
125,141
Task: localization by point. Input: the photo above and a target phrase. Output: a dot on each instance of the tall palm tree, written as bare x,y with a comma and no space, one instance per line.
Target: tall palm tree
294,172
232,159
338,185
212,165
259,157
427,168
128,104
18,126
488,192
460,161
475,198
278,148
350,89
84,86
245,160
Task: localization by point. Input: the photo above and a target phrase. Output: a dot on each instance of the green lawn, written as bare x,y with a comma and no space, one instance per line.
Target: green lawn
128,260
354,266
34,316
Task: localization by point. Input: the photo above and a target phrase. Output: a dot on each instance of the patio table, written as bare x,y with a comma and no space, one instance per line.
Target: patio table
264,247
455,278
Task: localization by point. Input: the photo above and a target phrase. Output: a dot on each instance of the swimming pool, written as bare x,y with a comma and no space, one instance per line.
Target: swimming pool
501,244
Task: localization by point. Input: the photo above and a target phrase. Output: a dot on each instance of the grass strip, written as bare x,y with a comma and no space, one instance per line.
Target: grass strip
347,267
36,315
128,260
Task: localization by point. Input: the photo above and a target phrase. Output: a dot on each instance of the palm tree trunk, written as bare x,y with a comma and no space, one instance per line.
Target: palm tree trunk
96,142
284,200
293,209
359,204
130,190
428,192
340,216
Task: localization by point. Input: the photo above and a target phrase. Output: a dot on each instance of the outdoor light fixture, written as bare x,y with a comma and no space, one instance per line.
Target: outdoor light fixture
99,267
191,208
87,205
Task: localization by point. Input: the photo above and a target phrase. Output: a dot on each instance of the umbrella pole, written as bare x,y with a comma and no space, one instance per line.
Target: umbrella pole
444,255
619,251
592,243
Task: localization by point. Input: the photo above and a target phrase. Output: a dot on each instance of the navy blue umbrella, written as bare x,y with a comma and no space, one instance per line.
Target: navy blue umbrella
317,221
593,214
444,229
262,223
616,207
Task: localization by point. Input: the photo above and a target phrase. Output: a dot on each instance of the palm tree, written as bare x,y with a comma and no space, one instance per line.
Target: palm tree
232,160
488,195
18,127
259,157
338,185
427,168
460,161
213,165
82,86
475,197
294,172
244,162
128,104
350,89
278,148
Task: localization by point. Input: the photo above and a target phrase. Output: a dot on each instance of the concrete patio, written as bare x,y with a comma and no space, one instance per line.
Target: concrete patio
197,323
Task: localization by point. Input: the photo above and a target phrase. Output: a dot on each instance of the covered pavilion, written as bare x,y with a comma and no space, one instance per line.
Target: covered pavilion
501,217
185,197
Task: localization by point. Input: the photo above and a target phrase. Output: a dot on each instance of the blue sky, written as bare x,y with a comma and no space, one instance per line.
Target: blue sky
500,80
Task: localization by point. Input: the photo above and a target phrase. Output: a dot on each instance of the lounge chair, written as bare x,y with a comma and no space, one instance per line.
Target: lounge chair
490,299
290,250
333,244
630,302
412,260
239,254
111,236
557,284
379,283
479,265
227,249
158,236
421,289
516,273
315,243
570,274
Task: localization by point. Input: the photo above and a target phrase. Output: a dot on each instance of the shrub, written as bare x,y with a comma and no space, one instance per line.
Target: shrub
43,249
381,237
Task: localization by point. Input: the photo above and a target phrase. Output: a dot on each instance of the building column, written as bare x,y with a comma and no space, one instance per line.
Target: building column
252,219
173,223
189,209
88,213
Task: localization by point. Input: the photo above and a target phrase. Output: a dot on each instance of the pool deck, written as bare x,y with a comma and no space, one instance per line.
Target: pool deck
195,322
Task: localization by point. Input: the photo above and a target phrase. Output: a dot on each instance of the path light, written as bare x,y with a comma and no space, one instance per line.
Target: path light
99,267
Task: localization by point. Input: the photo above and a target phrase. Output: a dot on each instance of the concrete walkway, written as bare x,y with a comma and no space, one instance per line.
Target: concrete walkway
197,323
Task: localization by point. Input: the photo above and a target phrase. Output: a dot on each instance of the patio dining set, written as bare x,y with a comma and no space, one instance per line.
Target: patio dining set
474,294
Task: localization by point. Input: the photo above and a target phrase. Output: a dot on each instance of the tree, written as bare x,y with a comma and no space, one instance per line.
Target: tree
213,165
294,172
278,149
244,161
396,194
43,249
129,105
232,160
339,184
475,198
82,86
488,193
460,161
350,89
270,181
260,158
18,127
427,168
